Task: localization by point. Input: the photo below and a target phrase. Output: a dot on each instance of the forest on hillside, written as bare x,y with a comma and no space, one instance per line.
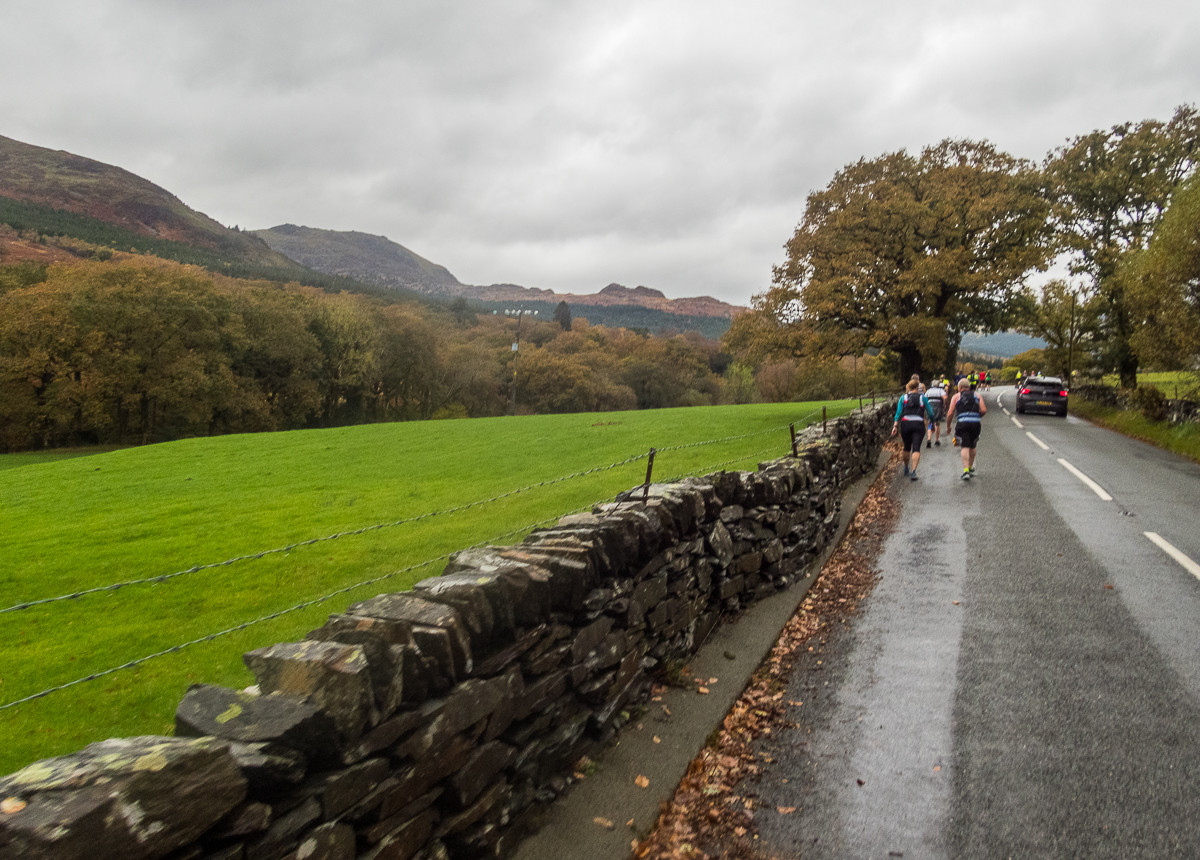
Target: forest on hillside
146,350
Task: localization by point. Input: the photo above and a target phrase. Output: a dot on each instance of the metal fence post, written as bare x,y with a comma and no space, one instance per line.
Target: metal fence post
649,472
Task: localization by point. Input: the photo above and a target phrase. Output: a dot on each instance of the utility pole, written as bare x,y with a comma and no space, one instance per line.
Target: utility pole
512,409
1071,347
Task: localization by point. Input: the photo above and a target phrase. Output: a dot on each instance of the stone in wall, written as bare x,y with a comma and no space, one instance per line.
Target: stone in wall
131,798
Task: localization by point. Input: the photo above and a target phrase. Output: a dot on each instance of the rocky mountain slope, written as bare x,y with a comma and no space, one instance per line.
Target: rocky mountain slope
382,262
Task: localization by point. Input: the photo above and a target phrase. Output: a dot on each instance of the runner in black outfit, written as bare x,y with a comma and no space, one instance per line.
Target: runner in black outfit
911,414
968,409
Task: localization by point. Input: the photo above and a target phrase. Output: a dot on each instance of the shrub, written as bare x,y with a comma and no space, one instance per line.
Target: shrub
1150,401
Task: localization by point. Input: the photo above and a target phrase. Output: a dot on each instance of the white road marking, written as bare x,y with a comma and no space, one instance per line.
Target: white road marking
1095,488
1038,442
1005,411
1015,421
1165,545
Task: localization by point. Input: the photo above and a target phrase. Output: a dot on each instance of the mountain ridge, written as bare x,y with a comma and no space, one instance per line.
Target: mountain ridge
383,262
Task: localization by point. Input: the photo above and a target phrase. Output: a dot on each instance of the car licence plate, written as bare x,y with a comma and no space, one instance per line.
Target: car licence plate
1044,403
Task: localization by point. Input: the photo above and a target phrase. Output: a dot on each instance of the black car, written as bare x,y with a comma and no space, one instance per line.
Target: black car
1042,394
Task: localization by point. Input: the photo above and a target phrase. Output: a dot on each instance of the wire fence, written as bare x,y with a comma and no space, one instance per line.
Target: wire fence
174,649
162,578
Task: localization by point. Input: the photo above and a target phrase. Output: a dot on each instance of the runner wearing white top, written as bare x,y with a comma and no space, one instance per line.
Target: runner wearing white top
936,396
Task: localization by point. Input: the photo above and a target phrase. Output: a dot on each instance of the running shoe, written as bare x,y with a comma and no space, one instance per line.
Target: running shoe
906,471
966,475
971,470
913,476
938,443
928,444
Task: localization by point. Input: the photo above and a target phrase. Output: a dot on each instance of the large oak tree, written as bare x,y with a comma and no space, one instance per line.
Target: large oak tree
905,252
1110,189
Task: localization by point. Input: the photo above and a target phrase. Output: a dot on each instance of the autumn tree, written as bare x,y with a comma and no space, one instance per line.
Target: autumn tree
1110,189
1067,320
1163,285
905,252
562,315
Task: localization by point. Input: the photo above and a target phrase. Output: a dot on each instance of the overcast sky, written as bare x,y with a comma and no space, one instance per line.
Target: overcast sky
566,145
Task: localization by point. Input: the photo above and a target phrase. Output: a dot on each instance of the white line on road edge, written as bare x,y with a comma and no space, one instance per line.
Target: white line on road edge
1015,421
1006,412
1038,442
1096,488
1165,545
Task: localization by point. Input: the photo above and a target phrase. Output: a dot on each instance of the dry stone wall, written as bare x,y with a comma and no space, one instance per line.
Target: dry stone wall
435,723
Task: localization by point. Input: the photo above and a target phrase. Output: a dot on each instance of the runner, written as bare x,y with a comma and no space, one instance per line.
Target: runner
936,396
911,413
968,409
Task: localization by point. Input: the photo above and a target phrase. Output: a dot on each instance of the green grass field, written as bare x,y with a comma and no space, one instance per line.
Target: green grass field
82,522
1166,381
1183,439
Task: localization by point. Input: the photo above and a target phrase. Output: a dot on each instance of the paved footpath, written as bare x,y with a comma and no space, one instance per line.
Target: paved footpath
1025,679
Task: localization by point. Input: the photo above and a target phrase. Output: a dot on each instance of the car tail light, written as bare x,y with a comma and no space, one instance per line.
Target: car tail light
1062,393
1024,390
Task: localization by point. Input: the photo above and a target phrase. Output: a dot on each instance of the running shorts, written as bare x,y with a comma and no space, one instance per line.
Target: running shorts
969,433
911,434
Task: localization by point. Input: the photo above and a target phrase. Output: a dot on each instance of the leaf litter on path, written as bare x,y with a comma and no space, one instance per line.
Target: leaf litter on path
710,815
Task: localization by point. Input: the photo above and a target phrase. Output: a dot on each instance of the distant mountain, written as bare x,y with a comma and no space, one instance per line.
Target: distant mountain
1003,344
55,206
49,179
370,259
382,262
53,193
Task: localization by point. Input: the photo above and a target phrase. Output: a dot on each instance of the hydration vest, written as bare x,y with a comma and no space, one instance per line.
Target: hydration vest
914,410
967,408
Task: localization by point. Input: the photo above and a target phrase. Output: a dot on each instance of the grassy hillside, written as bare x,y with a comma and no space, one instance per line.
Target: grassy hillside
65,181
82,523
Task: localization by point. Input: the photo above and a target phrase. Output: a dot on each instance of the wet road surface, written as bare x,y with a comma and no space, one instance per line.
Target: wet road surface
1024,681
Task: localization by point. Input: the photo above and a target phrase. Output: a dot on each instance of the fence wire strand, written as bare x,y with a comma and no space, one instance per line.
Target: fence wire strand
166,577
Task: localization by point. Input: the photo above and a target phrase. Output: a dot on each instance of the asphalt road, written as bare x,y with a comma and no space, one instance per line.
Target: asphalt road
1025,679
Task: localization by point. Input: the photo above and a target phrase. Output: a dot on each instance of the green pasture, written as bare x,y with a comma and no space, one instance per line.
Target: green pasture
1166,381
87,521
1183,439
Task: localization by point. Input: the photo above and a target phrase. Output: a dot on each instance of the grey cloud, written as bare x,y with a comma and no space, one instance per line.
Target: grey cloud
568,144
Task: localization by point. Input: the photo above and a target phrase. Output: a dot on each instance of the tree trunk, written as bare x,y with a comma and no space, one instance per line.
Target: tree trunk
910,363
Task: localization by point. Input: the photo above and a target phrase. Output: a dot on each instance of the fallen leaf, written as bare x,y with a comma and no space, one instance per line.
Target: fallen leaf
861,781
702,689
956,603
11,805
604,822
712,680
641,781
938,767
657,739
629,823
785,810
740,831
1108,586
